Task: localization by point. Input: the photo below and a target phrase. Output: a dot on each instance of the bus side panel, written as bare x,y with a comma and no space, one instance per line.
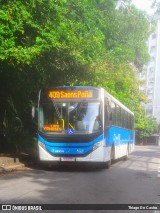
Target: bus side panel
122,140
102,154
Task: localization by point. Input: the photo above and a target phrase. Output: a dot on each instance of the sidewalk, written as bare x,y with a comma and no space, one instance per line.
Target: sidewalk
9,163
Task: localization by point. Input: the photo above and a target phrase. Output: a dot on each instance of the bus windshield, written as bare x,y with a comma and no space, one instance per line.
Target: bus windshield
70,117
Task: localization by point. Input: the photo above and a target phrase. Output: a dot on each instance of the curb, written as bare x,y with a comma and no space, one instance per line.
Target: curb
10,168
11,163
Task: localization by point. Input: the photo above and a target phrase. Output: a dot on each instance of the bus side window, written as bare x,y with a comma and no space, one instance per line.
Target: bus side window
132,122
128,121
118,116
122,118
113,113
125,119
106,111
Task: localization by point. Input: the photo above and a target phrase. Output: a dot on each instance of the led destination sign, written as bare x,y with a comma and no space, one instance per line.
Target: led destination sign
70,94
52,128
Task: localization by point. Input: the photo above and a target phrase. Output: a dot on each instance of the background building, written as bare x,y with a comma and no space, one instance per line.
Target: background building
151,75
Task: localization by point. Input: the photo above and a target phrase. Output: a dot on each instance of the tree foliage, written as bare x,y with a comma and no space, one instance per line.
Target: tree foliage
50,43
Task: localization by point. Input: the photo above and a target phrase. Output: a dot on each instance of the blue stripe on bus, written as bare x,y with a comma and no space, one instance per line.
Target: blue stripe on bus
70,148
119,136
115,135
54,143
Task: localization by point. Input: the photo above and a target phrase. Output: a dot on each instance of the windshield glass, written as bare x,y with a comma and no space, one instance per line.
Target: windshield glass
70,118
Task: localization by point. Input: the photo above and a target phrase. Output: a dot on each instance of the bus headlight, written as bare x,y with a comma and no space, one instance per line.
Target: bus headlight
42,145
96,145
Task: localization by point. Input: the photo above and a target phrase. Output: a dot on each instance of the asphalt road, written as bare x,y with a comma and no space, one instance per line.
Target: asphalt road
135,181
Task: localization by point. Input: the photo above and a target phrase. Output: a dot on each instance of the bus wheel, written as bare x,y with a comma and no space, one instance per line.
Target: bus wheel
107,164
127,152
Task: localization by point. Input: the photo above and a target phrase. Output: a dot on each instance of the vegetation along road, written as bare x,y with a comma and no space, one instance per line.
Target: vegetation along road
133,181
54,43
69,42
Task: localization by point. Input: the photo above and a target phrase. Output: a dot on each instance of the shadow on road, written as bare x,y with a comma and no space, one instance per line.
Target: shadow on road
132,181
33,163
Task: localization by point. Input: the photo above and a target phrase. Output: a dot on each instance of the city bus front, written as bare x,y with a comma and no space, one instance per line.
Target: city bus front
70,121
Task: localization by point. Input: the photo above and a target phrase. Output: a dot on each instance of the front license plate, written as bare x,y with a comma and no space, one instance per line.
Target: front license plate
67,159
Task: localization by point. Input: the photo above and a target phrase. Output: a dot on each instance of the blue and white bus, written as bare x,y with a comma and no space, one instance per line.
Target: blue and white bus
83,124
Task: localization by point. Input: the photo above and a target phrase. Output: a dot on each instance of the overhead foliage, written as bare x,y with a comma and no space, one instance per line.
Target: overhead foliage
49,43
28,29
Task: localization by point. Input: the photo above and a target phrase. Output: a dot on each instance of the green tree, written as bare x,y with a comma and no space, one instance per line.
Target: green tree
50,43
146,127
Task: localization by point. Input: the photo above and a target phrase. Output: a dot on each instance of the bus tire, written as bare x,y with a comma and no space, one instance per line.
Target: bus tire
112,153
125,158
107,164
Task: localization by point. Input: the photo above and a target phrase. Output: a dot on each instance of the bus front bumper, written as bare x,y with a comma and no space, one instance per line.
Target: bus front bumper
100,154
